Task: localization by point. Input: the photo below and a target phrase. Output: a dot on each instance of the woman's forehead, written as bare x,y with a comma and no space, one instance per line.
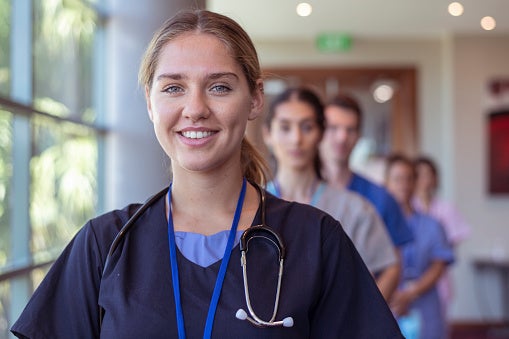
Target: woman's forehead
196,51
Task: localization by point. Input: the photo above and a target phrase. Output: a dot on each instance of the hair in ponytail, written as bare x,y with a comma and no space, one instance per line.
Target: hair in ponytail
254,166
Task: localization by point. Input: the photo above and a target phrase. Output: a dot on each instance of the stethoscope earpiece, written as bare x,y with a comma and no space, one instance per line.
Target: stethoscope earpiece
288,322
242,315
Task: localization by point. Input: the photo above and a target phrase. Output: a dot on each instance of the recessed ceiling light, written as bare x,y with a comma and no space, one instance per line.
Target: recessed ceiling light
383,93
488,23
455,9
304,9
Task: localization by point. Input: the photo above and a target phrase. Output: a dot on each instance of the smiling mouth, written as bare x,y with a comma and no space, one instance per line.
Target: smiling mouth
197,134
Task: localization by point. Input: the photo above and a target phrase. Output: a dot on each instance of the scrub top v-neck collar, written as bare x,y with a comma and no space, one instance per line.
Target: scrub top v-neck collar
220,276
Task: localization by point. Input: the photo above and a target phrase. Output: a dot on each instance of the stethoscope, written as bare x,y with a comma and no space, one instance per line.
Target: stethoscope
262,231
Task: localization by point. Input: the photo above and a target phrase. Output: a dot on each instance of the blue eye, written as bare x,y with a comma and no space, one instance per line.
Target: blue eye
220,89
172,89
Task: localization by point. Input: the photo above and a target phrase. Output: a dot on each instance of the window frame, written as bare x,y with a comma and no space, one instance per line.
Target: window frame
19,104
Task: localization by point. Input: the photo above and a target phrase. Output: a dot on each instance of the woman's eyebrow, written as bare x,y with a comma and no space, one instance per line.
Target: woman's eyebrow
173,76
222,75
213,76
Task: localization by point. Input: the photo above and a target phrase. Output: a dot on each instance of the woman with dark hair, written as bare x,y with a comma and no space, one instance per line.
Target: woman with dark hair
293,129
426,201
424,260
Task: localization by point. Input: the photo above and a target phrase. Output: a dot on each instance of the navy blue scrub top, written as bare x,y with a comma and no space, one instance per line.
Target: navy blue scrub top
326,287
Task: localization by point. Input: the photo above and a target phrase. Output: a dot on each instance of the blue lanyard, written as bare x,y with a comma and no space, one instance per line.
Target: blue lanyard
220,276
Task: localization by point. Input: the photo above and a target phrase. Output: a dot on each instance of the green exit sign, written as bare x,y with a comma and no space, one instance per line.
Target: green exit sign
333,42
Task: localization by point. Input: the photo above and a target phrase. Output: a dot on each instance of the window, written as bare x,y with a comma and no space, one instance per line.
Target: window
5,11
63,49
50,138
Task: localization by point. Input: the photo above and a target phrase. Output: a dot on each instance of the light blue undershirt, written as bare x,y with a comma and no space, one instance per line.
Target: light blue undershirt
204,250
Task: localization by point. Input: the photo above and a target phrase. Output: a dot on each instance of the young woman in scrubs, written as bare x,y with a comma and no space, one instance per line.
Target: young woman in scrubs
294,127
426,200
424,260
176,273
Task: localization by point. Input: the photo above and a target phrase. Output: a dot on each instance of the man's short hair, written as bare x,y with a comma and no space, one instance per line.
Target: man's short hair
347,101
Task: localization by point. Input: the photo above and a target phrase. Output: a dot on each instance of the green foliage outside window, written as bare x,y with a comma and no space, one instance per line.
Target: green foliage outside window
5,11
63,56
63,186
5,184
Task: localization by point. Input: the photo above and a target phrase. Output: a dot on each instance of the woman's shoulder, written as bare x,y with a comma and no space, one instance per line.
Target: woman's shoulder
278,206
113,219
427,221
353,199
299,217
106,226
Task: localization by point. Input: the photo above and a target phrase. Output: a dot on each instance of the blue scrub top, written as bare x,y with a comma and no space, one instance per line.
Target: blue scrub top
430,245
326,287
387,207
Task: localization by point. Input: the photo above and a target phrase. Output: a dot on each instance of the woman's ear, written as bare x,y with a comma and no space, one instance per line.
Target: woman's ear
149,104
257,101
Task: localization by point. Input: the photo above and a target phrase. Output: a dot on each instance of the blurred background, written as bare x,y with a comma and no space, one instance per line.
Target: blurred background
75,138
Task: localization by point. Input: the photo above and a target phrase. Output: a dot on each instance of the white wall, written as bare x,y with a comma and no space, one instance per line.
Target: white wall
476,61
451,74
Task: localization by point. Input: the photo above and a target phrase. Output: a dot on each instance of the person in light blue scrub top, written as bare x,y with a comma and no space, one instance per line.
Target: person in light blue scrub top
424,260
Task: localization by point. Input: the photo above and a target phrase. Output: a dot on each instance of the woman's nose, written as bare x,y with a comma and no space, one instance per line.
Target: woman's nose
295,135
196,106
340,135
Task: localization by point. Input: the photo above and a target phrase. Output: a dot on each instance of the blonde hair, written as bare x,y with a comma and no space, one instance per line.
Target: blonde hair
240,47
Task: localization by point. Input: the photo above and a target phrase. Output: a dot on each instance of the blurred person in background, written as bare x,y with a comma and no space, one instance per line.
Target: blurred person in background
343,129
426,200
424,259
293,129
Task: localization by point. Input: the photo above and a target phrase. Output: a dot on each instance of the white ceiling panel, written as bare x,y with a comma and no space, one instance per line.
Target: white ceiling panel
277,19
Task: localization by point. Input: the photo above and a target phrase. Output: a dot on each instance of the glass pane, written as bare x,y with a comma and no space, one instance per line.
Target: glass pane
37,275
5,302
5,184
63,58
5,29
63,193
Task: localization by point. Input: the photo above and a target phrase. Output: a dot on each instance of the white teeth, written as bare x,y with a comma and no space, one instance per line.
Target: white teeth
196,135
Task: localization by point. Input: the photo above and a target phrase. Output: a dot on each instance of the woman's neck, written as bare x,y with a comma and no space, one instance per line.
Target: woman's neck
337,175
407,208
206,203
296,185
425,198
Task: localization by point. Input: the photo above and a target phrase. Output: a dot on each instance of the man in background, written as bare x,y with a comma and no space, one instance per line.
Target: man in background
344,120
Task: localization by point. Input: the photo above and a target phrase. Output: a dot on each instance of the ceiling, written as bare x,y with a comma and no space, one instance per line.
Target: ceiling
277,19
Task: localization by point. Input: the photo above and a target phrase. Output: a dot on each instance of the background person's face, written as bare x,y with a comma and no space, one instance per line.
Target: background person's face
294,135
400,182
341,134
426,181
